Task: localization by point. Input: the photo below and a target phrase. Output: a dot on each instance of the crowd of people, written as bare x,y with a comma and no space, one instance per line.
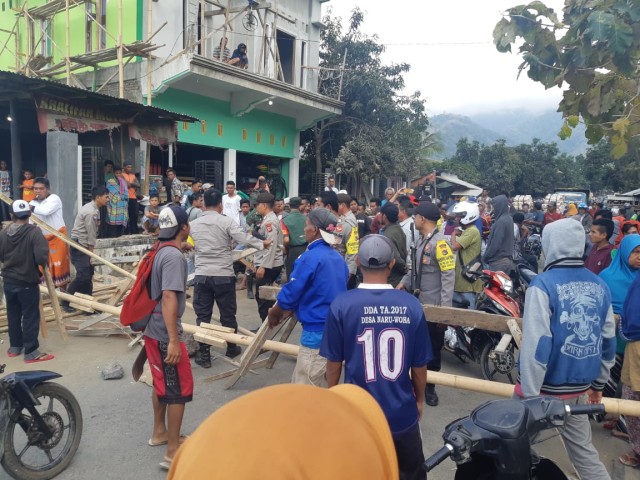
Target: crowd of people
356,276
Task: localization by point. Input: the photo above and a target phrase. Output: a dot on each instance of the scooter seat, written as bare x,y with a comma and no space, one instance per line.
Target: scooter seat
527,275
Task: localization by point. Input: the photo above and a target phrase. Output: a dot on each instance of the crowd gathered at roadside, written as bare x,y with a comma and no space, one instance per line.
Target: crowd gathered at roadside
355,275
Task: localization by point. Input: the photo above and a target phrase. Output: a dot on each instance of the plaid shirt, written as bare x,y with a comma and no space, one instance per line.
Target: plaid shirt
117,213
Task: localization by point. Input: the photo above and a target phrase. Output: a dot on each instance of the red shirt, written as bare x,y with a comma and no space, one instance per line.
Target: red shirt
551,217
599,258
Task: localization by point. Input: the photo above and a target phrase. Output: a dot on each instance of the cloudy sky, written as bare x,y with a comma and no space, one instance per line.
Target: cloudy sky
448,44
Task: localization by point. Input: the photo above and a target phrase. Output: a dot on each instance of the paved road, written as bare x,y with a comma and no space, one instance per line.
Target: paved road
117,413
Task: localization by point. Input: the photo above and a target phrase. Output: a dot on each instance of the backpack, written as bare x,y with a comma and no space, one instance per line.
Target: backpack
138,306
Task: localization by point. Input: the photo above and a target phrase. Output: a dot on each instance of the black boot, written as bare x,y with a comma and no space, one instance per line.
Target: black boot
203,356
431,397
233,350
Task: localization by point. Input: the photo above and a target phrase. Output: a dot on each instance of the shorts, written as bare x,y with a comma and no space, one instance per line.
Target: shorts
311,368
171,383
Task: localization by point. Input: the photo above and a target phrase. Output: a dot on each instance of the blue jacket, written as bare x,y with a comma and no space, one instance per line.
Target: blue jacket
568,342
319,275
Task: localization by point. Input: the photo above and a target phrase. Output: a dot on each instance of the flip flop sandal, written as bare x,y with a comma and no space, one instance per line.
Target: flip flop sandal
43,357
166,464
183,438
611,424
13,355
630,460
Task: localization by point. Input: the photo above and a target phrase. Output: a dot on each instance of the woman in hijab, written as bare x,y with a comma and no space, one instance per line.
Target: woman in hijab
333,433
619,276
631,369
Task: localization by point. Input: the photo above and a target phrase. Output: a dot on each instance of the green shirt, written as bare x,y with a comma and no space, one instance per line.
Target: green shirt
470,242
295,223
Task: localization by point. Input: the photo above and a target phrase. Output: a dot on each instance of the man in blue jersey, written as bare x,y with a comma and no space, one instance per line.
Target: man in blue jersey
319,275
382,336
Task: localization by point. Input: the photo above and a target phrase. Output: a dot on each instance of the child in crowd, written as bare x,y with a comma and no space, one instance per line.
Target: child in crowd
600,256
150,219
27,186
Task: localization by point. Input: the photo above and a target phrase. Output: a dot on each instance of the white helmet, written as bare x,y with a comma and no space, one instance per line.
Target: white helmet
467,211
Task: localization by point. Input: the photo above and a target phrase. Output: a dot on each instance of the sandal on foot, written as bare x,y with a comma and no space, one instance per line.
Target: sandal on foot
43,357
16,353
166,464
630,460
610,424
183,438
618,434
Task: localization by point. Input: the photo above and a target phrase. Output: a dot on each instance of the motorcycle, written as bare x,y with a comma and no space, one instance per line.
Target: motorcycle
480,345
495,441
40,425
533,243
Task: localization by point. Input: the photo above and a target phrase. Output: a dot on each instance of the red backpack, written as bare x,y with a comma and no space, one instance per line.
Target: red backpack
138,306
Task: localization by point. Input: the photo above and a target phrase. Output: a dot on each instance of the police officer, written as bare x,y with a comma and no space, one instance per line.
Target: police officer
269,262
213,235
295,223
347,229
432,278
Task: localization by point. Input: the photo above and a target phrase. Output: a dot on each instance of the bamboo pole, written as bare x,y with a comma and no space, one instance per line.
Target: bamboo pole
68,43
55,303
120,64
612,405
70,242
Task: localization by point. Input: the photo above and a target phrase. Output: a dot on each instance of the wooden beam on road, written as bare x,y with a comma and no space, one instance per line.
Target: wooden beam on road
442,315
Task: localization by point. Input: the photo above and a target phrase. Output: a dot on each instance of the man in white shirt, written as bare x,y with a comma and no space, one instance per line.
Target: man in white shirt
231,202
47,207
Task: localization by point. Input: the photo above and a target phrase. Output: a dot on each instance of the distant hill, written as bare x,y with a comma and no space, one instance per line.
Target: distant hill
515,126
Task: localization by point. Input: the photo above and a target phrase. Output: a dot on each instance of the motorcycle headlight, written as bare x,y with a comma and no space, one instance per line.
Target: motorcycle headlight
506,285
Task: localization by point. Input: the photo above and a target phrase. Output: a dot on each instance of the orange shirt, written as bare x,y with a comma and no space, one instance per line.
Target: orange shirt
27,192
130,178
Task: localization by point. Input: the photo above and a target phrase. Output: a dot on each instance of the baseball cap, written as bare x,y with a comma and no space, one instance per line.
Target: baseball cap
376,251
427,210
170,220
326,223
21,209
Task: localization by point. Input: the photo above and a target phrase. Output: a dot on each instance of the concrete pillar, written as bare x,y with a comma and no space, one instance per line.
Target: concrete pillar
294,168
62,159
229,167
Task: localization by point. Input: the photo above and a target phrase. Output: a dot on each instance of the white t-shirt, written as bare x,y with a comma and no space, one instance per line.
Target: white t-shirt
231,207
49,211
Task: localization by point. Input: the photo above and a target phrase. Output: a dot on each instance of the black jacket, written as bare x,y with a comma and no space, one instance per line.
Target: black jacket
22,249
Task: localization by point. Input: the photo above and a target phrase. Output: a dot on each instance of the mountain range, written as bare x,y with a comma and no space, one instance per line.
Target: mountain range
514,126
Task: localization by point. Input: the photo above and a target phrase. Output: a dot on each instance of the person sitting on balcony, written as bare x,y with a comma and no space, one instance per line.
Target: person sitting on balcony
239,57
221,52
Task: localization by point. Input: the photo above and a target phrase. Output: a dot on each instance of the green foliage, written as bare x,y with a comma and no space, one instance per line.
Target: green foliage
593,54
536,168
381,132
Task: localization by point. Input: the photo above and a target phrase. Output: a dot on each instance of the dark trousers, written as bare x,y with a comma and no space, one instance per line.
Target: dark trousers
132,224
270,275
83,283
102,231
222,291
292,255
23,315
436,335
5,212
114,231
410,456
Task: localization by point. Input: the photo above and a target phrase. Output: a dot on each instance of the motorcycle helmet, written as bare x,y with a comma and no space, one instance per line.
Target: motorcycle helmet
467,211
582,205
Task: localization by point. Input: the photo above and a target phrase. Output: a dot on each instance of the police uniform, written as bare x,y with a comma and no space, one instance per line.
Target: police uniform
347,229
435,271
271,259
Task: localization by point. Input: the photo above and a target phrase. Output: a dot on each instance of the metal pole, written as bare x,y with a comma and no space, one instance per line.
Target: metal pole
344,62
68,40
16,148
120,64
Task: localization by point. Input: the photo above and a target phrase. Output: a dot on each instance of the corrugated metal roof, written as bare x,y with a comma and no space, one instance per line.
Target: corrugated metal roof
13,83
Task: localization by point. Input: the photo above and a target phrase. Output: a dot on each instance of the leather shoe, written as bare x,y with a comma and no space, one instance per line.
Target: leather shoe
431,397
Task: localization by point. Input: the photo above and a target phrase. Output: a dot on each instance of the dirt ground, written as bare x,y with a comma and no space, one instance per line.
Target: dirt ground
117,413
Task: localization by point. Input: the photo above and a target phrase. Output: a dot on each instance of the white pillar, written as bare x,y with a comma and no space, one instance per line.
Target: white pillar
229,167
294,168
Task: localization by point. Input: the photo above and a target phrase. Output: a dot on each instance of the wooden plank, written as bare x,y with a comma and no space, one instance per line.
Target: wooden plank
43,320
250,354
442,315
515,331
93,320
81,307
290,323
53,296
82,295
503,344
228,373
217,328
210,340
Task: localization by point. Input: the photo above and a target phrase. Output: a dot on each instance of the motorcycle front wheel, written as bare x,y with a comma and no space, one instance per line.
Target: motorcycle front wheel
498,367
28,455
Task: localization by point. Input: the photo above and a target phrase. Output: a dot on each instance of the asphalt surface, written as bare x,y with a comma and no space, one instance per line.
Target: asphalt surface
118,416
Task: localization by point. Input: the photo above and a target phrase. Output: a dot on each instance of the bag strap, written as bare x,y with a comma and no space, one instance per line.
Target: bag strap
419,270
